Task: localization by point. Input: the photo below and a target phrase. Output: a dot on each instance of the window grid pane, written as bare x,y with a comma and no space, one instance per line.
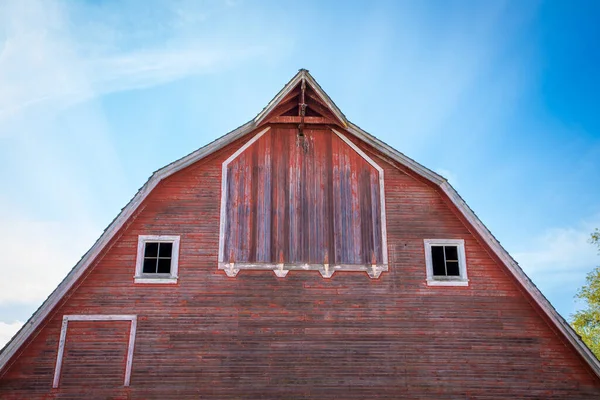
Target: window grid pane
165,249
451,253
150,265
151,250
451,261
164,266
452,268
157,258
438,261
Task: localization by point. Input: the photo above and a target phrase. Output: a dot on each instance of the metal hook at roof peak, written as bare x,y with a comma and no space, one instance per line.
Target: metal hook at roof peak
302,108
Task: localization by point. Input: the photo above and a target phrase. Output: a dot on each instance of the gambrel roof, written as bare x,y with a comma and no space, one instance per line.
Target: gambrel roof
301,78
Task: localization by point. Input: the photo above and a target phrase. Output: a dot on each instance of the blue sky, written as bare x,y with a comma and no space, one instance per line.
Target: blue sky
499,97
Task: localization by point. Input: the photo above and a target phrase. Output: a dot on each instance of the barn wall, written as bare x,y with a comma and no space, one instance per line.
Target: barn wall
303,336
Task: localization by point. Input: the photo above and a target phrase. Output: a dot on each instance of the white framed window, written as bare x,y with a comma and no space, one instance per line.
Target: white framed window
446,262
157,259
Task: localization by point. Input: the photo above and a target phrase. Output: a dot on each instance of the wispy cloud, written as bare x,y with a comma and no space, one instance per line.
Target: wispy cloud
43,62
37,254
559,259
52,56
71,80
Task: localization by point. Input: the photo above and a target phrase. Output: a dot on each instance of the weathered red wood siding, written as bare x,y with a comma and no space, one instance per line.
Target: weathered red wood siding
303,336
95,353
302,199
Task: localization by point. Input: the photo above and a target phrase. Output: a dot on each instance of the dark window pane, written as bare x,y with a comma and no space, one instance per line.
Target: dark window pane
149,266
151,250
165,250
164,265
437,259
451,253
452,267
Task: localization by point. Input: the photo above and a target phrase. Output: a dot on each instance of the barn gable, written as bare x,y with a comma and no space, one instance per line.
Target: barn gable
303,110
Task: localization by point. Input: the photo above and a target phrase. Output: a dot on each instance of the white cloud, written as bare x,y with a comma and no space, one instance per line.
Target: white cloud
558,261
151,67
7,330
559,251
37,255
67,79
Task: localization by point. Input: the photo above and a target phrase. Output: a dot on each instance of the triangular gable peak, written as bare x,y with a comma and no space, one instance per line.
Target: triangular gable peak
302,101
288,104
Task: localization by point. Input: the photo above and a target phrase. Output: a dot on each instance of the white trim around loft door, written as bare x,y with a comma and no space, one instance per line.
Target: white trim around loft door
282,269
368,159
223,214
63,339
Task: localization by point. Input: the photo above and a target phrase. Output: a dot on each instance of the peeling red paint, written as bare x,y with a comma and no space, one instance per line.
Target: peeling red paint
306,198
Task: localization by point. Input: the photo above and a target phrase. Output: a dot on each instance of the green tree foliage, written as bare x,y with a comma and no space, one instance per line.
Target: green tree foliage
587,321
596,238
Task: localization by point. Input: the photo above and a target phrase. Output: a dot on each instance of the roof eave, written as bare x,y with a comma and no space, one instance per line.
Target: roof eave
287,88
395,154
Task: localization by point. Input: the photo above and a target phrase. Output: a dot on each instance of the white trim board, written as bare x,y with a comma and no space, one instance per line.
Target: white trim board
368,159
395,156
223,212
63,339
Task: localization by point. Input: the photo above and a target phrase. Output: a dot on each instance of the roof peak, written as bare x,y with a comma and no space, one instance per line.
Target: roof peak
324,101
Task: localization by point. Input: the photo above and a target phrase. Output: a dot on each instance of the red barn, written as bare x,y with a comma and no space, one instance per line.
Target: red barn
297,257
